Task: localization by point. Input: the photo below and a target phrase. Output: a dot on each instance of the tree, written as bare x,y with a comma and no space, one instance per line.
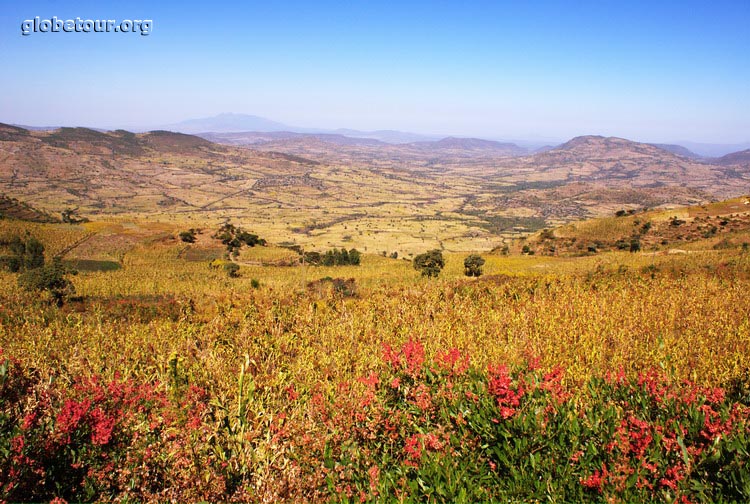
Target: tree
188,236
635,245
430,264
354,257
49,278
232,269
25,254
473,265
69,216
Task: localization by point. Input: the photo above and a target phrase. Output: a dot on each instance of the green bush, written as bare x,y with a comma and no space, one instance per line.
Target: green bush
26,254
473,265
333,257
430,264
188,236
232,269
444,431
50,278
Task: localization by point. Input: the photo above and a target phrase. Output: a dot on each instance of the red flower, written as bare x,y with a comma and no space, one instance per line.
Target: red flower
413,450
453,362
500,386
409,359
291,393
101,430
596,481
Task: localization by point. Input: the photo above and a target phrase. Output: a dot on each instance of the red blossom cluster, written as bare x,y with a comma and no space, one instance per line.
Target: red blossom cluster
500,386
409,359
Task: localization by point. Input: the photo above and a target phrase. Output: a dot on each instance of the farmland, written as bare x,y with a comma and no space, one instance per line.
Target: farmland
199,386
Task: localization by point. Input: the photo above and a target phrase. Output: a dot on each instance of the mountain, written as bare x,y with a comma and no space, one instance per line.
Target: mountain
242,123
620,163
472,144
678,149
387,136
735,158
227,122
713,150
314,189
257,138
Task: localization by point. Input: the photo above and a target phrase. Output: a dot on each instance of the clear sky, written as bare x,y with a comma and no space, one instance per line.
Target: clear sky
645,70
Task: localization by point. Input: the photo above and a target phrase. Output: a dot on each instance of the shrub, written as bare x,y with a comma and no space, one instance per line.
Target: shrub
333,257
188,236
340,287
49,278
430,264
635,245
232,269
622,245
234,237
473,265
26,254
446,431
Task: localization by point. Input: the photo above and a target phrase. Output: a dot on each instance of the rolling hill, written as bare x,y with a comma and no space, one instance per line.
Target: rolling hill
325,190
735,158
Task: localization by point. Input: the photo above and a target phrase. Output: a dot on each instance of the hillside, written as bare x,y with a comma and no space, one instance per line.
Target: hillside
11,208
735,158
331,190
713,226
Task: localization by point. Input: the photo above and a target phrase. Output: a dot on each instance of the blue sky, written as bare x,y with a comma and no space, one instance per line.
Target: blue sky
651,71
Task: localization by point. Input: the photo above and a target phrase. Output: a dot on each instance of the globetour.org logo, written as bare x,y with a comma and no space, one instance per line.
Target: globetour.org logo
79,25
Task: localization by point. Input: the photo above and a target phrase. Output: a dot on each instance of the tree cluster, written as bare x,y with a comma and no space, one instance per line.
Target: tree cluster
234,237
333,257
27,258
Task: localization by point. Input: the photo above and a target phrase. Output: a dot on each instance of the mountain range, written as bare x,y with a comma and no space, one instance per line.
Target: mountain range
320,188
234,123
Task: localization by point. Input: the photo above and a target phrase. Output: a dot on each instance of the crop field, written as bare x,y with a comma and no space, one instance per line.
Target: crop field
613,376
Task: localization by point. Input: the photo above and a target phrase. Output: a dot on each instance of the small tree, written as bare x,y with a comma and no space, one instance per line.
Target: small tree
188,236
354,257
232,269
473,265
635,245
430,264
25,254
49,278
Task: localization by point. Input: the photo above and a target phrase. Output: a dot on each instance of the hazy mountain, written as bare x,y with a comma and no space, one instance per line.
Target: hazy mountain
620,163
472,144
713,150
742,158
227,122
257,138
677,149
387,136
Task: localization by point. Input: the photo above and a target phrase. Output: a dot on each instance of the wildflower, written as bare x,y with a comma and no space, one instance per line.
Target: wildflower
101,430
291,393
596,480
413,450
